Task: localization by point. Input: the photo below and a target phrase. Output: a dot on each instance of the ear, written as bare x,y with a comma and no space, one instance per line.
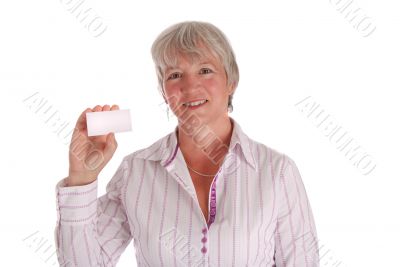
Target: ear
231,88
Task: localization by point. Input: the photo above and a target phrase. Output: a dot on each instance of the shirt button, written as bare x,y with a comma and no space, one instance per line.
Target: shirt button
204,250
204,231
204,239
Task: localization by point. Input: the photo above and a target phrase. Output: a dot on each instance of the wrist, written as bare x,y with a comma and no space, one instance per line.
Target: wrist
79,180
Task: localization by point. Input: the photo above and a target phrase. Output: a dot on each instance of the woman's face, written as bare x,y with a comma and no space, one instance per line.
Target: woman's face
203,79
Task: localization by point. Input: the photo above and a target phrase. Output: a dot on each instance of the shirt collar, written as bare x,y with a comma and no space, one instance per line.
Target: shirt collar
165,149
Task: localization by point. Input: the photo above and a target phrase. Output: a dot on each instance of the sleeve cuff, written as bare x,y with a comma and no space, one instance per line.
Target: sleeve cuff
76,204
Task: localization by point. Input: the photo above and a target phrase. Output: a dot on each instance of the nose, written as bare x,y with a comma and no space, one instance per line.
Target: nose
191,82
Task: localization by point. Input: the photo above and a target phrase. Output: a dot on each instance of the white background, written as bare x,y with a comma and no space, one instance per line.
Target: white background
286,51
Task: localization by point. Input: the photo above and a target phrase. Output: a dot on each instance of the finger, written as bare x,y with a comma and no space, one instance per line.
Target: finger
115,107
111,138
111,145
106,108
97,108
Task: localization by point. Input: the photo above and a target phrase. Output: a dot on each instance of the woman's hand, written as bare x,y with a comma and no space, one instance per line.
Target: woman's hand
89,154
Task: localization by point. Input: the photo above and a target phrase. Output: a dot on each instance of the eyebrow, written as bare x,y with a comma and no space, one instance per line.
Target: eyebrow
201,63
207,62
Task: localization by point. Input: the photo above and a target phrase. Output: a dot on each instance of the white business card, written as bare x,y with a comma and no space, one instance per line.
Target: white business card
104,122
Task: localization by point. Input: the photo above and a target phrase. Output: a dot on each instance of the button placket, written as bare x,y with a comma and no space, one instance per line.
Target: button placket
204,241
213,200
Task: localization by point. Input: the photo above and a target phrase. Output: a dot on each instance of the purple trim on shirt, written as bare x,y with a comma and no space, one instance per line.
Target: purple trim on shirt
173,156
213,202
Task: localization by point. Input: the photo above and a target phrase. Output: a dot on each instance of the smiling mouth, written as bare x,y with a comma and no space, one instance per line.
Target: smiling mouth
195,103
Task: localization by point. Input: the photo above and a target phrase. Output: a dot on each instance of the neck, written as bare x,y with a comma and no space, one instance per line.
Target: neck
204,139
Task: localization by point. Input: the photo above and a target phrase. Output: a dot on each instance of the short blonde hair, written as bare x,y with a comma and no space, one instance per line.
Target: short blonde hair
186,38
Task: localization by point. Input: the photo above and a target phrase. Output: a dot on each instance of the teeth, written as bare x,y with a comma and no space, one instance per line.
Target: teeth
196,103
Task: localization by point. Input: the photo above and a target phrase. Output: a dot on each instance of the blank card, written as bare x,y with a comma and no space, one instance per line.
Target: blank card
104,122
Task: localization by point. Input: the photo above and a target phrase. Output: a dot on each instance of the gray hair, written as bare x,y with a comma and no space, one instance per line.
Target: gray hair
186,37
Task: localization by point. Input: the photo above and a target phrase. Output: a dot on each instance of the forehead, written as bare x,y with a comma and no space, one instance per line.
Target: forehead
182,59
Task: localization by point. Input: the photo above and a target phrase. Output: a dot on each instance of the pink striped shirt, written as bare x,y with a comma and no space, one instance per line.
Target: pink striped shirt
259,212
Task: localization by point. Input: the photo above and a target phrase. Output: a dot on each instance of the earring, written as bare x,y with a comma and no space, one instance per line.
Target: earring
230,106
167,113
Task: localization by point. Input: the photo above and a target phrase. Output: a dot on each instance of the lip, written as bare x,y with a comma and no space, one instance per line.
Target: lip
194,100
196,107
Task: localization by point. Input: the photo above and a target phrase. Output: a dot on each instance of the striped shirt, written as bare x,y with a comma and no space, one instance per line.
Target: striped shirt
259,212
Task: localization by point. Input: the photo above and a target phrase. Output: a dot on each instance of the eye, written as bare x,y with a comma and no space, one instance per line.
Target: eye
173,76
205,71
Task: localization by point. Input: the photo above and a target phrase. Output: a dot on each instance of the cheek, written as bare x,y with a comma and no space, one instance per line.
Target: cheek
172,94
171,90
215,87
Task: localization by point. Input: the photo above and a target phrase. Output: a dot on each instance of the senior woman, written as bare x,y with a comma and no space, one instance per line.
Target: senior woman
204,195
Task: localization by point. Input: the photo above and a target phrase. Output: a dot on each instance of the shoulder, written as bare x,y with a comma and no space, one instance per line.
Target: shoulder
267,156
156,151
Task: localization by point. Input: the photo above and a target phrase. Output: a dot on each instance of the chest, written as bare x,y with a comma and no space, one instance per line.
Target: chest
202,187
168,228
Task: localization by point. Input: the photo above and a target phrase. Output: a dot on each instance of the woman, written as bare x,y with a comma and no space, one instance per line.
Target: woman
204,195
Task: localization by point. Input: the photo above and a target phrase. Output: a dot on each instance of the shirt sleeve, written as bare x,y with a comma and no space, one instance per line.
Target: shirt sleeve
92,231
295,234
